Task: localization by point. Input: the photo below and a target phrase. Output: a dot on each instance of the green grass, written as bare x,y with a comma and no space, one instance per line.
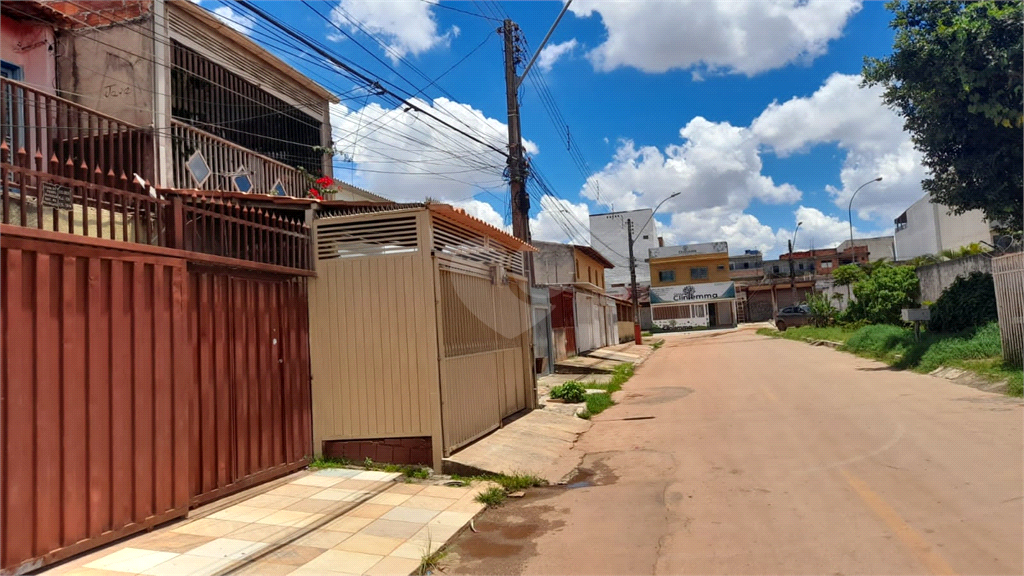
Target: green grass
430,563
492,497
407,470
657,344
600,401
831,333
977,350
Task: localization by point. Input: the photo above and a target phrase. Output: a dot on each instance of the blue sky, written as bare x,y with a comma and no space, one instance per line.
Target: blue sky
752,110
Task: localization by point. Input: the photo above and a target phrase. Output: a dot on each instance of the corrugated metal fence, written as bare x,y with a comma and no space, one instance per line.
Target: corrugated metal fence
95,394
1008,275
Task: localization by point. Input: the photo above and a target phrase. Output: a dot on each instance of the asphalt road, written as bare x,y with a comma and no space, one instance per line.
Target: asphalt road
734,453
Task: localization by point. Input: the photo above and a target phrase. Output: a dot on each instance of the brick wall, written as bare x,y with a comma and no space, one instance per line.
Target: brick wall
388,450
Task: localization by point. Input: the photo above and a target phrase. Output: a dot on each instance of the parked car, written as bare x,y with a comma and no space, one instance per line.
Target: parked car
792,316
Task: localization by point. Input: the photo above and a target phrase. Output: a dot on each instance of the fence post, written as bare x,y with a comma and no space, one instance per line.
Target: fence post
176,226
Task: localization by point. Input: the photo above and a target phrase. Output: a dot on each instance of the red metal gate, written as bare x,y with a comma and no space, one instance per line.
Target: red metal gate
563,317
251,405
93,396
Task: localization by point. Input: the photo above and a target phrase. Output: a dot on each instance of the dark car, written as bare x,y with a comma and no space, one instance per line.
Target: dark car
792,316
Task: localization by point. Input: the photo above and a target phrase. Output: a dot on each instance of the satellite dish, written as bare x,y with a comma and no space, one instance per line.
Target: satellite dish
1003,242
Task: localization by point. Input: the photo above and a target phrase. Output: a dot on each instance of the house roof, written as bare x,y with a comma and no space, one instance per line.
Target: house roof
245,43
593,254
458,215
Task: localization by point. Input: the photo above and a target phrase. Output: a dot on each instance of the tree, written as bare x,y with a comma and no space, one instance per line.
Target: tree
957,79
847,274
882,295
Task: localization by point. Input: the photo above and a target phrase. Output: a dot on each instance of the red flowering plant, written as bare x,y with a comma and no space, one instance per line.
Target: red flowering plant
322,188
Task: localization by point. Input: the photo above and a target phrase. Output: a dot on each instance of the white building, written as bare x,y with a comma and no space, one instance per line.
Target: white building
609,236
927,228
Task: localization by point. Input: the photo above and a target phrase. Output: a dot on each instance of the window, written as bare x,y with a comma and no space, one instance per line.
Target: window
699,273
732,266
646,237
8,70
721,267
666,276
746,265
775,269
801,266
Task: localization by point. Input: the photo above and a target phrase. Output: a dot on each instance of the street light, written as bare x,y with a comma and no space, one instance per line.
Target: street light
632,268
849,209
792,276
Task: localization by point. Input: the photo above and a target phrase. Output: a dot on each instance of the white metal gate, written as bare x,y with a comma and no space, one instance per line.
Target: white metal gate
1008,275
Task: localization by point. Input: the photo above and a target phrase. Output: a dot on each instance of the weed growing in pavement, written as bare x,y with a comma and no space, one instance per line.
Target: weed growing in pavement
492,497
599,402
431,561
571,392
407,470
657,344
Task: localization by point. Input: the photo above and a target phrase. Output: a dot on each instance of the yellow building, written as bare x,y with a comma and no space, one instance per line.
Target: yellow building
690,286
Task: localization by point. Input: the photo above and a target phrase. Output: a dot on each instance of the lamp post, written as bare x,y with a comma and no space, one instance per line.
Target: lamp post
849,209
632,269
792,275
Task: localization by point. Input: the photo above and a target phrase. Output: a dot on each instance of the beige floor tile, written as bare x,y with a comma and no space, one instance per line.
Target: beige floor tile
262,568
348,523
428,502
228,548
80,571
169,541
351,484
295,490
241,513
290,518
311,506
370,510
293,555
457,519
317,571
410,489
389,498
434,534
406,514
323,539
394,566
392,528
338,495
369,544
445,492
415,550
209,527
377,476
274,501
343,561
470,506
190,565
316,480
131,560
262,533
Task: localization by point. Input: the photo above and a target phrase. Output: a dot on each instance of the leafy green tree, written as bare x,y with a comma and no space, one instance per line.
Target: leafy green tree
882,295
847,274
969,302
955,76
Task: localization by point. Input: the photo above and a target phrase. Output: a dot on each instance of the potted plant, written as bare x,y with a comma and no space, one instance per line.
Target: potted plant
323,189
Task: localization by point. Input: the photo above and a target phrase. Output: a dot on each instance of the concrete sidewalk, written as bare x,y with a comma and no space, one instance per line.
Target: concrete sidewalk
542,442
334,521
604,360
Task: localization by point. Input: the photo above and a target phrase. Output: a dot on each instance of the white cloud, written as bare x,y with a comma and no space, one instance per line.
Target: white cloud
718,36
853,118
483,211
718,171
406,156
561,221
408,26
553,52
238,22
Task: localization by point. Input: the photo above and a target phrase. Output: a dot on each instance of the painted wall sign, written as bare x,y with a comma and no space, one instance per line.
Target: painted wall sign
692,292
56,196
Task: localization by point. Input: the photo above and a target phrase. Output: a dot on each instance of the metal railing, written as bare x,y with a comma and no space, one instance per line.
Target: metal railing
46,133
227,162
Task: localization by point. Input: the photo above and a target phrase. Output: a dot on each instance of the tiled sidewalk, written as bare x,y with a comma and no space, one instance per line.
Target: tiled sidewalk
336,521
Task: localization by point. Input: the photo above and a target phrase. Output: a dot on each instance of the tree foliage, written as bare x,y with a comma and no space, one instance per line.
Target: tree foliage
823,313
968,302
955,76
881,296
847,274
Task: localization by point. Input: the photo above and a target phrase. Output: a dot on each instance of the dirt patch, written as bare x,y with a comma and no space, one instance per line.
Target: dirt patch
505,538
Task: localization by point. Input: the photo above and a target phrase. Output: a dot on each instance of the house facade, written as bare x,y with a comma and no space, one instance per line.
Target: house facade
691,286
926,228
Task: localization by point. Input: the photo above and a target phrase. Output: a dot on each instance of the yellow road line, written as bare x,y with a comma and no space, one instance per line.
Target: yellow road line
910,538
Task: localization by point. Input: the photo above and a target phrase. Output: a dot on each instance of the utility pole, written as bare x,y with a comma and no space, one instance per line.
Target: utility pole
792,275
516,163
632,281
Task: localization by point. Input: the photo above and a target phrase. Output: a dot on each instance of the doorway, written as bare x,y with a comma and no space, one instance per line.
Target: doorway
712,314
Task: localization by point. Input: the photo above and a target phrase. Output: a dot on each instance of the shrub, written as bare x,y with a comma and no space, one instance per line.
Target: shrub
883,294
823,313
572,392
968,302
